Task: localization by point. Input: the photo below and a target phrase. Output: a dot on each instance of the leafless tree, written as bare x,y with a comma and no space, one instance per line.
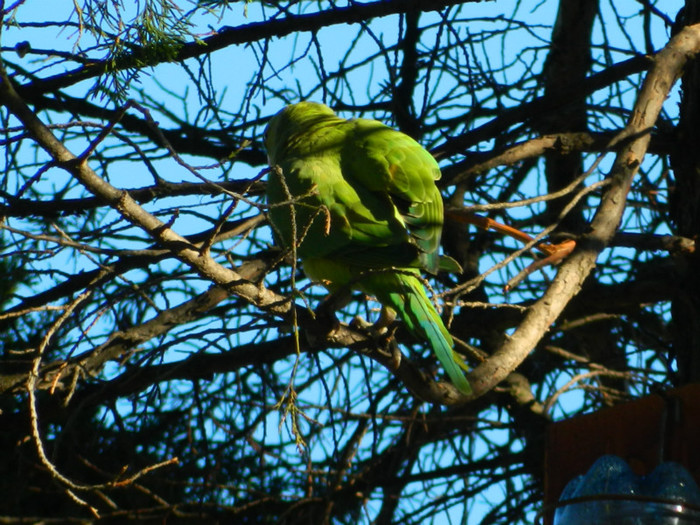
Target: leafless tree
163,359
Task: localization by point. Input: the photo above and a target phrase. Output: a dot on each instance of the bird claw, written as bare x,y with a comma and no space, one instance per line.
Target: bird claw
325,312
358,323
393,352
382,333
380,327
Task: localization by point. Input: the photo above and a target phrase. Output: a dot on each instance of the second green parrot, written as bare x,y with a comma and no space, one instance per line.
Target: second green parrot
359,202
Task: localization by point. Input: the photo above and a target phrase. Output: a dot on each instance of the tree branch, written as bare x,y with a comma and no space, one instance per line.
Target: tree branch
667,67
355,13
203,263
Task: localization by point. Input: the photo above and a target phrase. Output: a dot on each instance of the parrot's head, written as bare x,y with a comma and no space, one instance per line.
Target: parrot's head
289,123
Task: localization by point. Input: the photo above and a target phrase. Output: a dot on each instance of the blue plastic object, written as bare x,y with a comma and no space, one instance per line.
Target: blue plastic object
612,494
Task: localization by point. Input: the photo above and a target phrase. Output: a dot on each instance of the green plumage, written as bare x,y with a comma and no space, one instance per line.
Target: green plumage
359,201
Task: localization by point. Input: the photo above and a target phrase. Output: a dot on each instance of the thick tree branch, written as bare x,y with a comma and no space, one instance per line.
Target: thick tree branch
204,264
568,62
355,13
214,144
560,143
667,68
121,201
539,106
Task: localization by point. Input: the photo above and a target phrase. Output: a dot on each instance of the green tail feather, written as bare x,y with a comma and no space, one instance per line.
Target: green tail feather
406,294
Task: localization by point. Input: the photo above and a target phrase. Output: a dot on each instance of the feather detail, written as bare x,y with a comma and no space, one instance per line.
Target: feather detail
404,293
357,202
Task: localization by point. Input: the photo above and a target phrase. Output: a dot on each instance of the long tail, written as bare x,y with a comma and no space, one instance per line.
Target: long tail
406,294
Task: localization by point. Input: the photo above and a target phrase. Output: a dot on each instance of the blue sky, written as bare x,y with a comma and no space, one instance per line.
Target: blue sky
231,69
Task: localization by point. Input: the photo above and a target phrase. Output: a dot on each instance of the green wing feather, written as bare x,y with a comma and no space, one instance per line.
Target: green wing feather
389,162
405,294
353,196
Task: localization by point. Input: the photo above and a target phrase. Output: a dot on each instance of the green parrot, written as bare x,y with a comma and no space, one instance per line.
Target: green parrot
359,202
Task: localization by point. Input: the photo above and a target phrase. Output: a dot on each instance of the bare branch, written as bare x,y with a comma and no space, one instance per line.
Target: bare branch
667,68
